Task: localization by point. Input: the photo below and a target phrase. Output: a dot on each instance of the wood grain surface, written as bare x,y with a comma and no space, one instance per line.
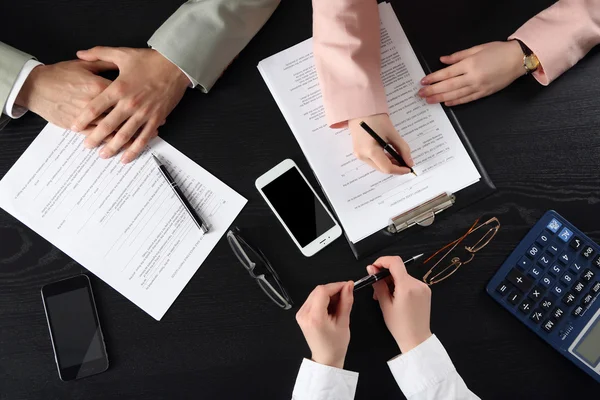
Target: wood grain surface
222,338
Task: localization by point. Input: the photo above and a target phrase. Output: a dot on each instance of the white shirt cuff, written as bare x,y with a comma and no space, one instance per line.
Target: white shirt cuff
10,108
193,82
321,382
422,367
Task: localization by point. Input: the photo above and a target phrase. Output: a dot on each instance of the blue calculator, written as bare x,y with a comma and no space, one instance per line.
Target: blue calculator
551,282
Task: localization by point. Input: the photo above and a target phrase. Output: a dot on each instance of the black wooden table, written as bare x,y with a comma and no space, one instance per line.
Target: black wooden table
222,338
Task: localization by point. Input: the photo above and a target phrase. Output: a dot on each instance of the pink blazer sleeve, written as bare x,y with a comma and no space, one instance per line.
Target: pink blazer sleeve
348,59
561,35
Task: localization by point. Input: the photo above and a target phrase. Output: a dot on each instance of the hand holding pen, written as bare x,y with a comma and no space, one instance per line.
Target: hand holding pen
368,150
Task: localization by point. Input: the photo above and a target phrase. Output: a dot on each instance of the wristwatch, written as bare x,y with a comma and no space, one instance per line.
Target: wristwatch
530,60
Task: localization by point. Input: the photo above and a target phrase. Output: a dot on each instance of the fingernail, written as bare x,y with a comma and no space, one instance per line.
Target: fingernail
103,153
369,269
88,145
421,92
424,81
127,157
74,128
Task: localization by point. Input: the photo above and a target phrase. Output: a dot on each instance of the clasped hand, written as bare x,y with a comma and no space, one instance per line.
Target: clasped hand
405,303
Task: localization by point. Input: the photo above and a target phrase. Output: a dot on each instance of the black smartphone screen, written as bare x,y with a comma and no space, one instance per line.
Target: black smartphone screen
298,206
74,328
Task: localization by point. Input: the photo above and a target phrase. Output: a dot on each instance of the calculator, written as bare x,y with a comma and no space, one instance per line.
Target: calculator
551,282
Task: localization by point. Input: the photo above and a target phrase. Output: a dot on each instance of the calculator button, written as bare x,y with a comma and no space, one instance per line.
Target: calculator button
524,263
546,281
576,267
588,252
564,258
555,270
533,251
553,249
544,261
565,234
576,243
542,240
569,298
596,288
546,304
535,272
536,294
548,325
554,225
596,261
537,316
502,288
522,282
587,299
578,288
566,279
587,276
557,290
557,314
514,297
577,311
526,306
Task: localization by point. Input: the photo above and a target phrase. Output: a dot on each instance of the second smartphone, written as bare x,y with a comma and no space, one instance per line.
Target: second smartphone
298,208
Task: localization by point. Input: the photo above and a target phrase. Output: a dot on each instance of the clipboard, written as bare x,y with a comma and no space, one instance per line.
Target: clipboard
424,215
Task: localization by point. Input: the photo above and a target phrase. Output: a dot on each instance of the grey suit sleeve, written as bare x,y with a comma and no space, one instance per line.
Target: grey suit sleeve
203,36
11,63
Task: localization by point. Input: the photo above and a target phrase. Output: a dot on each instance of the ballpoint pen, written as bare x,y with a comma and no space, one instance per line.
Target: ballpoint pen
386,146
184,201
384,273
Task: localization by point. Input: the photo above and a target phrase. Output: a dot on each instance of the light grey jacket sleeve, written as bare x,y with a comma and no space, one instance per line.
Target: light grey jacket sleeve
204,36
11,63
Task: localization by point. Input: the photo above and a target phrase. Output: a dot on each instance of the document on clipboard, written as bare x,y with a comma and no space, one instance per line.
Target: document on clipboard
364,199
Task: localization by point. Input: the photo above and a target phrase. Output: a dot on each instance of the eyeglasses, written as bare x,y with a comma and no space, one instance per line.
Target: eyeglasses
259,268
476,238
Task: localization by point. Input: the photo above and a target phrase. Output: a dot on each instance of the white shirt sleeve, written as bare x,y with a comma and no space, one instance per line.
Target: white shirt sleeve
193,82
10,108
427,373
321,382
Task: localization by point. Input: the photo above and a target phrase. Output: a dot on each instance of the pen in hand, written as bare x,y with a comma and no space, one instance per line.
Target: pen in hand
184,201
386,146
384,273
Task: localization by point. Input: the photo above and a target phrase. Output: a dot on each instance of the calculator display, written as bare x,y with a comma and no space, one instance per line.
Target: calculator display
589,347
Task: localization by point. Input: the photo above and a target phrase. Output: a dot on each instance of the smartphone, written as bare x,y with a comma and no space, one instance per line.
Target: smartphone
298,208
75,332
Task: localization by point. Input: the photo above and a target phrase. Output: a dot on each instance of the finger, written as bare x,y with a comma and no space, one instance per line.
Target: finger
129,128
381,291
443,74
444,86
345,304
108,125
320,296
101,53
384,165
94,109
449,96
372,270
98,66
460,55
394,264
149,132
403,149
466,99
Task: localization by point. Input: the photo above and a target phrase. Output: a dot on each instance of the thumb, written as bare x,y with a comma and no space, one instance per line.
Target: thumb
99,53
99,66
402,148
346,302
382,292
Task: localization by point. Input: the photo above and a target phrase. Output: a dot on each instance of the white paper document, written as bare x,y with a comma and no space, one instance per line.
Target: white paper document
363,198
121,222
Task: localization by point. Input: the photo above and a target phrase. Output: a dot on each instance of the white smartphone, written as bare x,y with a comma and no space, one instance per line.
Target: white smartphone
298,208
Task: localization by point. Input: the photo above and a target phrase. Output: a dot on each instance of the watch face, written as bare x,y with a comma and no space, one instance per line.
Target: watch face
531,62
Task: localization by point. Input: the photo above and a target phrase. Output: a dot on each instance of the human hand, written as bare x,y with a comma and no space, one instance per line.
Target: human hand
474,73
325,322
407,310
369,151
148,88
59,92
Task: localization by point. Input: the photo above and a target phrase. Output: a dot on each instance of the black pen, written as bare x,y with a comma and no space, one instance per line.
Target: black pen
386,146
384,273
186,204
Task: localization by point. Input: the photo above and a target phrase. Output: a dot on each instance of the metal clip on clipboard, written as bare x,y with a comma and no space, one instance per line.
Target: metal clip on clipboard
422,215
